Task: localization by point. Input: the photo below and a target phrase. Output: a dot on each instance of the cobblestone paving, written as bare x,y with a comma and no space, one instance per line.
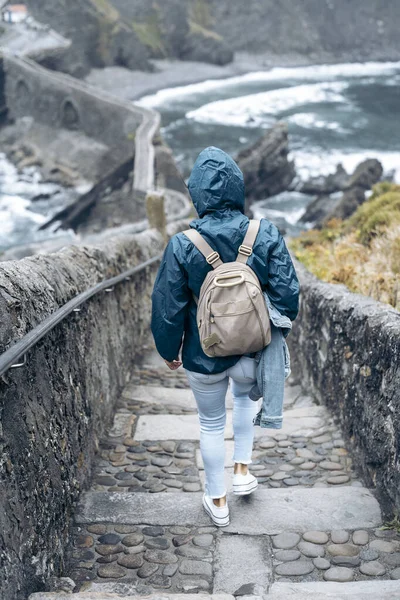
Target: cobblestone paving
181,558
279,460
150,557
184,559
167,466
337,555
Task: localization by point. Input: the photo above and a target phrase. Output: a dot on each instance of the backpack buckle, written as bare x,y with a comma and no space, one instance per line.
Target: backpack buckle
246,250
212,258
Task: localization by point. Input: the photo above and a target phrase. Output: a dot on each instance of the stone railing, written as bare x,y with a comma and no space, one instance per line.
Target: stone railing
346,352
57,405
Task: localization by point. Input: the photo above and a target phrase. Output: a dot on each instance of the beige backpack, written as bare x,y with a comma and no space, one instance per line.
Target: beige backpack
232,316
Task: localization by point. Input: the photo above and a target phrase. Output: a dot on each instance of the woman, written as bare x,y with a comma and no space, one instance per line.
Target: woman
217,190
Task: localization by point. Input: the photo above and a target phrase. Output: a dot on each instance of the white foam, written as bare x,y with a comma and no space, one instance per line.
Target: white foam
312,121
14,213
257,110
323,162
311,73
273,214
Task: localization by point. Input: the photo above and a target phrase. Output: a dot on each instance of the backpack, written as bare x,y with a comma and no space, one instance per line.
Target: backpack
232,316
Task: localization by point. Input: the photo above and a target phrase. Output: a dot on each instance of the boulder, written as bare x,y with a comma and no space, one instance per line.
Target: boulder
320,207
322,185
206,46
265,165
342,205
364,177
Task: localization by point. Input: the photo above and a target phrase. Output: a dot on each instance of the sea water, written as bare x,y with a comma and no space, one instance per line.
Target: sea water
26,202
340,113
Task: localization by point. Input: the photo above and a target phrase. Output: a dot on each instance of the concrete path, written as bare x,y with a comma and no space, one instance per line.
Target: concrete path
311,530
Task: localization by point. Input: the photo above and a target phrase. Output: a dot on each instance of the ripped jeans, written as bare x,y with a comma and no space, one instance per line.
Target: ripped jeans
209,392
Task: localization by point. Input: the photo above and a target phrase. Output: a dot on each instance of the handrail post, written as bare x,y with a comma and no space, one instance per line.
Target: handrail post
155,210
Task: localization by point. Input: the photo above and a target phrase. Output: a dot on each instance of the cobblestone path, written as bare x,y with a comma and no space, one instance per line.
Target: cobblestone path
311,530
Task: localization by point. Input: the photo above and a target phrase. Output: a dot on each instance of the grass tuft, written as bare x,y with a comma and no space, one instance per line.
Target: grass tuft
393,524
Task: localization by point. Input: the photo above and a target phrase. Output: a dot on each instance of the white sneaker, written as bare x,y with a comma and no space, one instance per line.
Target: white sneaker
219,515
244,484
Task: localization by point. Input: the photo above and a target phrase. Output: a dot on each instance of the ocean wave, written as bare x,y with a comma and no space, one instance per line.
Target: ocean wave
312,121
257,110
320,162
311,73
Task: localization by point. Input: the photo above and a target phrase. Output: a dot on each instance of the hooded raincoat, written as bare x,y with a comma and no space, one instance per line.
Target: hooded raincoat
217,190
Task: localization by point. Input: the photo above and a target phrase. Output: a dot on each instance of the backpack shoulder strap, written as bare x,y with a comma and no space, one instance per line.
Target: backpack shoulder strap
246,248
211,256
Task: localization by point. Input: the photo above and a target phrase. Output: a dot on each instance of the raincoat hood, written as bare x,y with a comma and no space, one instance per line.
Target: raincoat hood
216,182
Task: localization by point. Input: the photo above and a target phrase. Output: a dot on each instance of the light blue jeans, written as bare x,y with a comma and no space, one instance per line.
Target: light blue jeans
209,392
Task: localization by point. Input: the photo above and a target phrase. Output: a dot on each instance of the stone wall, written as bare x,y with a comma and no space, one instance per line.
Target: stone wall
55,408
346,352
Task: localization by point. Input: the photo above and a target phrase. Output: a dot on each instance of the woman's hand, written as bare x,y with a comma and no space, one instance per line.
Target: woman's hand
174,364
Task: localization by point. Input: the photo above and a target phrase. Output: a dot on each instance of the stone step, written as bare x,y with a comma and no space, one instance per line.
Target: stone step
355,590
109,596
300,421
358,590
166,396
160,395
268,511
155,394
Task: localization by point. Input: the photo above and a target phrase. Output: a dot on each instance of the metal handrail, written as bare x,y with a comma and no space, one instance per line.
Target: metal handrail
10,357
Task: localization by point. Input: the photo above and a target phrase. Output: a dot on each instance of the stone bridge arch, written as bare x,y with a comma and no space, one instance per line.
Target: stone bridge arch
23,95
70,118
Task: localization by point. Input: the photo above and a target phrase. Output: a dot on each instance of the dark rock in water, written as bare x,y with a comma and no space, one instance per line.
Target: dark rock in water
366,174
348,204
335,182
43,196
318,208
265,165
343,205
364,177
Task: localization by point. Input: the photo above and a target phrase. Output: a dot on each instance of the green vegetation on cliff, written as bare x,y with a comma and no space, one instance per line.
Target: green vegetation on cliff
150,35
363,252
195,28
199,13
106,9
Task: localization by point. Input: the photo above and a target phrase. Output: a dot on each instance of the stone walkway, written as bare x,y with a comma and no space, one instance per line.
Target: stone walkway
310,530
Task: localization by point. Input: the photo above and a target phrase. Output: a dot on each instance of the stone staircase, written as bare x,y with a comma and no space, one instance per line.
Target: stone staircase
311,530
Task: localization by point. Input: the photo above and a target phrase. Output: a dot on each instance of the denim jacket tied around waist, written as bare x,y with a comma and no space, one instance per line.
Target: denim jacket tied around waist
272,370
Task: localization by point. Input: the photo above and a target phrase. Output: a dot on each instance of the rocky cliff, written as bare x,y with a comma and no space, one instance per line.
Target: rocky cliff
106,33
130,32
311,30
